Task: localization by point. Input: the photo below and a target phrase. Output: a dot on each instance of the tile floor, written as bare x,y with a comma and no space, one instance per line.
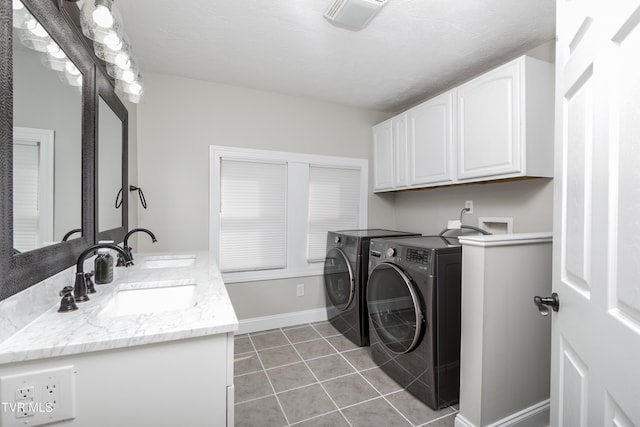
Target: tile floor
310,375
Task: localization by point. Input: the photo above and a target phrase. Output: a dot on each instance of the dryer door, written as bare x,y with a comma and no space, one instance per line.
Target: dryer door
338,278
394,308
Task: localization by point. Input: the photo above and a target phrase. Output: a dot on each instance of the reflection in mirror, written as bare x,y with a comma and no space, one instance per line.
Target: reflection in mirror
47,126
109,167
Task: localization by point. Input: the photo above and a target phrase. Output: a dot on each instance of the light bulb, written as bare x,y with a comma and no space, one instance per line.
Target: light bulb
135,88
71,68
122,60
112,41
58,54
102,16
128,76
38,30
17,5
52,48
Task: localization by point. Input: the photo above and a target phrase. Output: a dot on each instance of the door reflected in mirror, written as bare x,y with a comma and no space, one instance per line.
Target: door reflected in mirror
109,168
47,120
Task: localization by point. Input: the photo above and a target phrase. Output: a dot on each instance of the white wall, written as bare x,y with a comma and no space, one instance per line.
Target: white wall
528,202
178,119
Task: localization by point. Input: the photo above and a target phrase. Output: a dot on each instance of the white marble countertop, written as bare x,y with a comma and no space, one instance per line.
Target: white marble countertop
88,329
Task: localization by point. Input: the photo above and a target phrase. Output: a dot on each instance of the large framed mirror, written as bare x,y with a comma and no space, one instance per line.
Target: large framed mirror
111,160
48,101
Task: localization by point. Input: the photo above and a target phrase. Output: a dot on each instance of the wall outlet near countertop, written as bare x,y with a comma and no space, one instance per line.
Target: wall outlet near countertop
38,397
300,289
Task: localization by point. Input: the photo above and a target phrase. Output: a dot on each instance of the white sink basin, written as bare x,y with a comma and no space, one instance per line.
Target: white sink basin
151,297
168,261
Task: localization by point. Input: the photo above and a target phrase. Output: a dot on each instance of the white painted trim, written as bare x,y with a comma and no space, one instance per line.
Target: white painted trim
532,416
461,421
257,324
506,239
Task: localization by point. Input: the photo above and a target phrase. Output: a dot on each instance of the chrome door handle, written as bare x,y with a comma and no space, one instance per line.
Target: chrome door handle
544,303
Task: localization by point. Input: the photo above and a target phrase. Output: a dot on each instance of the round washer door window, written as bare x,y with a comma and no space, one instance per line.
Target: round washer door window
338,278
394,308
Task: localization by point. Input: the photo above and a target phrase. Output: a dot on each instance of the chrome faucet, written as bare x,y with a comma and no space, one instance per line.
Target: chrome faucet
128,249
83,284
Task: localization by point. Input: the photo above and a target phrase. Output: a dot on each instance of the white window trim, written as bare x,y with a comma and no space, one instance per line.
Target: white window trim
296,212
45,139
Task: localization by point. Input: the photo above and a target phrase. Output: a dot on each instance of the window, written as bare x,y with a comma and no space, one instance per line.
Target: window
32,188
270,211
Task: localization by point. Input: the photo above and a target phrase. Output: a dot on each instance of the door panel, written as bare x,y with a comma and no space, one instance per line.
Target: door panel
596,333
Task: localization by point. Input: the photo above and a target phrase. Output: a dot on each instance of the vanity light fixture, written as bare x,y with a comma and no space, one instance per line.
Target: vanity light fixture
33,36
101,22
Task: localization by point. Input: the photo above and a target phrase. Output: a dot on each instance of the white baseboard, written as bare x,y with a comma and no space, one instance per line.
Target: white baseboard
533,416
257,324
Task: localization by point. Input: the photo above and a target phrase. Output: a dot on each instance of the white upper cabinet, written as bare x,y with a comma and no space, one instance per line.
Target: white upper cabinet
505,122
496,126
399,142
430,141
383,157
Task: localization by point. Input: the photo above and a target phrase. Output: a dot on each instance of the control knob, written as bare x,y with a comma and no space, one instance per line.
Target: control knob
337,239
391,252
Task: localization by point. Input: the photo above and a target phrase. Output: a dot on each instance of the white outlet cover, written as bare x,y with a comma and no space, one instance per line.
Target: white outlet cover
40,409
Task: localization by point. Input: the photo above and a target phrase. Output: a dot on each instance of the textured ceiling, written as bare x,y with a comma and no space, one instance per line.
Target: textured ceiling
411,50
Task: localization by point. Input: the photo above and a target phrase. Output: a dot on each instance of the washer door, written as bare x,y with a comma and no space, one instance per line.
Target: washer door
394,308
338,278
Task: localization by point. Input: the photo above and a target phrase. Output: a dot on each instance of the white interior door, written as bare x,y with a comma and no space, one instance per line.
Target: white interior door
596,333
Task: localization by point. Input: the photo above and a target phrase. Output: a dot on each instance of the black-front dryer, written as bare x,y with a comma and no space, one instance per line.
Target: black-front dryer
345,278
413,297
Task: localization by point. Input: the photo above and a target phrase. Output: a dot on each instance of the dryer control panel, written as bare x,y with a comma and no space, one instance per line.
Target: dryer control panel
418,256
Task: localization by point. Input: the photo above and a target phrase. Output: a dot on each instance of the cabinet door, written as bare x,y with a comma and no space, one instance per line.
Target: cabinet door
489,123
382,157
430,141
399,143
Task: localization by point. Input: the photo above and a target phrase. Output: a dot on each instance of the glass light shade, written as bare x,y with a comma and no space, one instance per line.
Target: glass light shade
128,74
38,39
70,78
101,20
132,91
108,54
54,62
23,20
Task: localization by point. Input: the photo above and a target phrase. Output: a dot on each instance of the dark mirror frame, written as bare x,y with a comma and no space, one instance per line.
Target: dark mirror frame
105,91
61,19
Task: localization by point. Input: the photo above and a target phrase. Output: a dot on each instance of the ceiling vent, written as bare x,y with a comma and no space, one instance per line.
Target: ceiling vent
353,14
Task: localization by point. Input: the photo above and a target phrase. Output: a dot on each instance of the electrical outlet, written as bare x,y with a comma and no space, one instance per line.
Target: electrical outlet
468,205
25,393
51,396
37,398
300,289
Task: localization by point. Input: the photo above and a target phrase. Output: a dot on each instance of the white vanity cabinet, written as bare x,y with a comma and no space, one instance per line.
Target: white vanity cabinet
505,122
430,141
496,126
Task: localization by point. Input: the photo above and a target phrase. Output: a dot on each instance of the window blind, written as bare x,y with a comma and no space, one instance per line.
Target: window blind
253,215
26,169
334,200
